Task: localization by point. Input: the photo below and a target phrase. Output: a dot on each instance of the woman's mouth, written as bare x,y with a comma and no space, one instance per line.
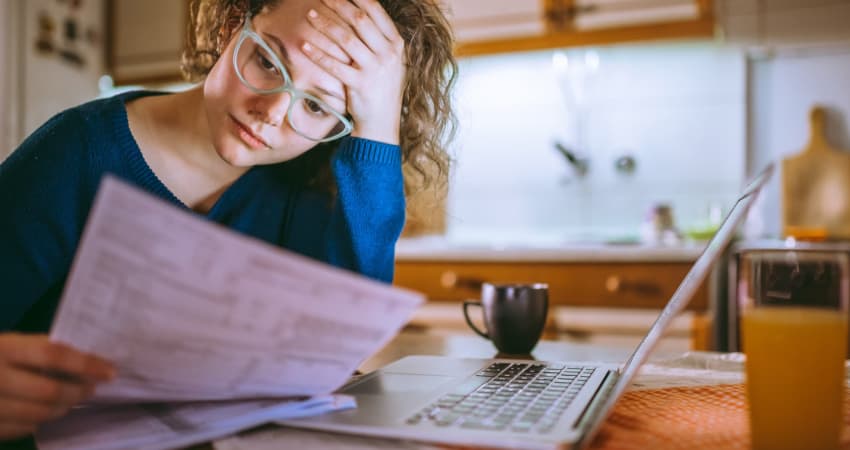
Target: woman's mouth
247,136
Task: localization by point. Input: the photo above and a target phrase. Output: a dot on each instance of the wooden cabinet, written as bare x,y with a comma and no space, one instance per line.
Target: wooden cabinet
145,39
493,20
498,26
777,23
605,284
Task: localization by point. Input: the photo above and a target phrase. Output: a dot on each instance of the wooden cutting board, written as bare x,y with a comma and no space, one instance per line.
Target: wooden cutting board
816,187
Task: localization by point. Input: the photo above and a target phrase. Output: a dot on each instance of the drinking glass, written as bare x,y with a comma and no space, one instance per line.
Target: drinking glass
794,330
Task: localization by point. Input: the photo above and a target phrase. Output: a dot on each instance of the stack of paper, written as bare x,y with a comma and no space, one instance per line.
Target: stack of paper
152,426
189,311
284,438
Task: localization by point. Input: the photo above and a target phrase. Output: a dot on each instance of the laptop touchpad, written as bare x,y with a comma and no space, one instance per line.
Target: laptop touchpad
388,382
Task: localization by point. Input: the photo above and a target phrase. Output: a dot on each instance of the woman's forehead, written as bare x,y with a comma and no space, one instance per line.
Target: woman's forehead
287,21
289,13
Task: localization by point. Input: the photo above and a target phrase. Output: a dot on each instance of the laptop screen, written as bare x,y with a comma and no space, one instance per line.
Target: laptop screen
686,290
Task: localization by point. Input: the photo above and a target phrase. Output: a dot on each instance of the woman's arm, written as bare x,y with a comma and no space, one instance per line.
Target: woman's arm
368,214
42,211
358,229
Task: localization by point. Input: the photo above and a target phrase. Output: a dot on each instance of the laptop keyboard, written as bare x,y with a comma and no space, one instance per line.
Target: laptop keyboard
518,397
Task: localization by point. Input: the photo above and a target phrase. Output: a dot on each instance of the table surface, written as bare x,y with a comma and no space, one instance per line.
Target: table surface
471,346
662,370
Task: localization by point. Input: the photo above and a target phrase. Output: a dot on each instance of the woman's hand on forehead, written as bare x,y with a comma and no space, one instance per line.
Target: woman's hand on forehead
320,40
375,75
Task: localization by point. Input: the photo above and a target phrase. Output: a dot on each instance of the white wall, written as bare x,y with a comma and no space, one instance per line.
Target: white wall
8,103
4,68
45,83
785,86
678,108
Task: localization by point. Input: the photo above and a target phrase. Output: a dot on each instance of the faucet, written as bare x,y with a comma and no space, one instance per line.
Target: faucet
580,165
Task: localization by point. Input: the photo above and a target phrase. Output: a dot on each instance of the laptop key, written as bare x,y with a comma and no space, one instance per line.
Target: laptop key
480,425
504,421
446,417
521,397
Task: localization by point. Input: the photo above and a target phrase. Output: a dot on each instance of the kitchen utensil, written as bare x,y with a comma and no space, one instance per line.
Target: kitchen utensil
816,187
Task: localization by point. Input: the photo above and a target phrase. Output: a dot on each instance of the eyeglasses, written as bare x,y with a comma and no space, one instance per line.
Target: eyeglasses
260,70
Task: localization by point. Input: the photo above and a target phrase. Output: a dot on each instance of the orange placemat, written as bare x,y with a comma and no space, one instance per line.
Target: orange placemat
703,417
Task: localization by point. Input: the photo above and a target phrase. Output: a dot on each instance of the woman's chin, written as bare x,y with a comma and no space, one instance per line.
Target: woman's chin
238,155
235,156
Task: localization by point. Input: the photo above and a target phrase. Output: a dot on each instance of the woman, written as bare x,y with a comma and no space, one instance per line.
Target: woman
296,135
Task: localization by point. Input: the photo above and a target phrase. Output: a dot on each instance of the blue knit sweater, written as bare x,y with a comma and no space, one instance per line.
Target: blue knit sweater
48,184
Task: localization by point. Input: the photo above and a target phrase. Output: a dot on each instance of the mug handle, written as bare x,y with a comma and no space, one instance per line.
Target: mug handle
467,304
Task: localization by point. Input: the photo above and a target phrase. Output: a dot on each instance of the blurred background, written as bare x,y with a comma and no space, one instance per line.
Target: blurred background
600,142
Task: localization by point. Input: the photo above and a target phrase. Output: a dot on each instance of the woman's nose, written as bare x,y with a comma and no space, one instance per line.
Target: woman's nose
271,108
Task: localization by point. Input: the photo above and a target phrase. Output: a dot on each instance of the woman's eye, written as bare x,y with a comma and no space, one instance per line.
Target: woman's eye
314,107
266,63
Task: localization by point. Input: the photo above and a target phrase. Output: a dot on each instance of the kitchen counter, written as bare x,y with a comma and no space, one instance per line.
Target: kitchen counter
588,273
438,248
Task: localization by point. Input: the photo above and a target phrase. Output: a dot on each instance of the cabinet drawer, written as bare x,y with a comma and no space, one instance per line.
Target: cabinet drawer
635,285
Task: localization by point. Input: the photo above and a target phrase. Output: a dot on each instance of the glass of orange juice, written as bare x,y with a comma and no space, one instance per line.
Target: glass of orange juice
794,332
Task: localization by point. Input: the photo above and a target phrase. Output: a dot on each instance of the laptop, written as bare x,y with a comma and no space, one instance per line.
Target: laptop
504,403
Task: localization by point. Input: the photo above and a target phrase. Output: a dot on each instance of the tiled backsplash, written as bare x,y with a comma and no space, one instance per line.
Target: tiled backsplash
677,109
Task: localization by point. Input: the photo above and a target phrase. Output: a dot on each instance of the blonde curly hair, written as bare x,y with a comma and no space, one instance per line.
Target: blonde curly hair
428,122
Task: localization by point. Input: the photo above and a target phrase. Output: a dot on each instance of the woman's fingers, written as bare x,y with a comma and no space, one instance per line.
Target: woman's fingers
318,39
340,70
22,384
24,412
39,354
381,19
361,23
341,35
15,430
42,380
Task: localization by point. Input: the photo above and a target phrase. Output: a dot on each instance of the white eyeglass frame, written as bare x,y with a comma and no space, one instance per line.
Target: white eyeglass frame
287,87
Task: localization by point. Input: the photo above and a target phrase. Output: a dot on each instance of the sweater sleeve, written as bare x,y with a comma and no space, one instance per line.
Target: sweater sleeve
43,211
368,214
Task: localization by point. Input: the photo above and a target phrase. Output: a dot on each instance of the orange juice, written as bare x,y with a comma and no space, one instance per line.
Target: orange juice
795,376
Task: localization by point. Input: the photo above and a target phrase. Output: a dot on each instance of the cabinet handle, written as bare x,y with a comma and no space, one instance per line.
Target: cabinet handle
615,284
612,284
451,280
560,14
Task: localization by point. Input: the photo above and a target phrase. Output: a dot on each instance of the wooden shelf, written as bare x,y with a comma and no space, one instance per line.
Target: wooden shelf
702,28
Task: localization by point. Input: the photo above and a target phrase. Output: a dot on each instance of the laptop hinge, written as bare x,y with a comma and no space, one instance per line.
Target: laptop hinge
602,391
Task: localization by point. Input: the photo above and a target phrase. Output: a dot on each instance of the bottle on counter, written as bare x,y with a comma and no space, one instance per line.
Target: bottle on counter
659,227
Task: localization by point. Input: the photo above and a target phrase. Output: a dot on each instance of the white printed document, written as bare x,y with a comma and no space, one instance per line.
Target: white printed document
210,331
278,438
188,310
155,426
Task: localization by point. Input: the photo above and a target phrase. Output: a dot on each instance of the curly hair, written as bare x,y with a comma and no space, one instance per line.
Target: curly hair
428,122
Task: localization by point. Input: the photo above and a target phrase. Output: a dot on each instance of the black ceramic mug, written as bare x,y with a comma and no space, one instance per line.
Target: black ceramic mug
514,315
